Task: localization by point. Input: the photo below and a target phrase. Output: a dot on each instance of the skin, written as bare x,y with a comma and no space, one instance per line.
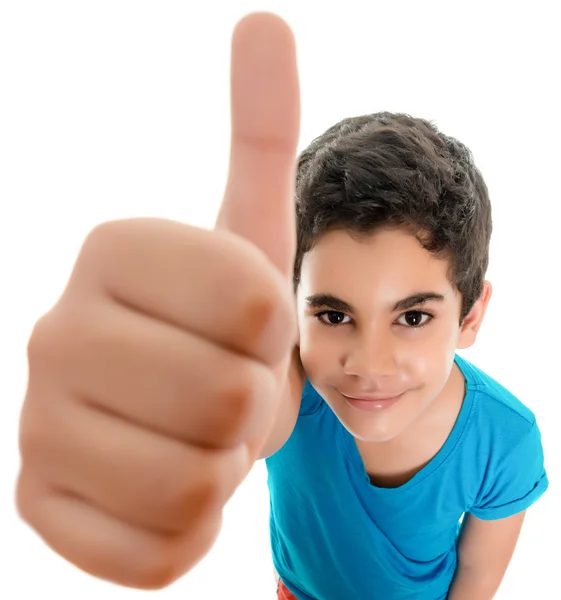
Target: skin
374,348
378,347
147,402
484,553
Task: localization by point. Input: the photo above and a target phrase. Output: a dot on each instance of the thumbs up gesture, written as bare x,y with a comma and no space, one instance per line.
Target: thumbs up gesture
156,378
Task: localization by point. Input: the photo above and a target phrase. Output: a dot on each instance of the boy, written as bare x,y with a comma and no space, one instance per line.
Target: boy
171,362
397,437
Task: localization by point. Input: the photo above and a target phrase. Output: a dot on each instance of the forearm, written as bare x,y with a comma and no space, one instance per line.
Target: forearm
474,584
484,552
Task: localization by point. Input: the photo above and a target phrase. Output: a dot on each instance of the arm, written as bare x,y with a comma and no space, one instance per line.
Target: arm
284,422
484,552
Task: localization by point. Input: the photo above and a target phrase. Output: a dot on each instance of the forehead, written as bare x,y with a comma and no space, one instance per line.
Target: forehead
389,262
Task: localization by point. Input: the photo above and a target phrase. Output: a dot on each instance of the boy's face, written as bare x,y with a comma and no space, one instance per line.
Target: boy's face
379,326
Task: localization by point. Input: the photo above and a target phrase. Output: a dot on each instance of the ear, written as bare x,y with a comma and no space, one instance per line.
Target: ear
472,323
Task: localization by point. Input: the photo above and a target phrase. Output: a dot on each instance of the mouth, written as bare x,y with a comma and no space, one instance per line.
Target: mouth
372,402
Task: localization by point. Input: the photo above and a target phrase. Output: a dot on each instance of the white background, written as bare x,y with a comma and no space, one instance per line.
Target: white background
112,109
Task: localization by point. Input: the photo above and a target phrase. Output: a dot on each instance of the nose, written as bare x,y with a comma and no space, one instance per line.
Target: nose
373,355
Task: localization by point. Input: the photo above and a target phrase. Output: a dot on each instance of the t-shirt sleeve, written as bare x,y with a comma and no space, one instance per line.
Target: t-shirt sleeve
516,481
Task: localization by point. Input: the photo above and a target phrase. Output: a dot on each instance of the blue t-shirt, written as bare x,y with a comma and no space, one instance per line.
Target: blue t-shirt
335,536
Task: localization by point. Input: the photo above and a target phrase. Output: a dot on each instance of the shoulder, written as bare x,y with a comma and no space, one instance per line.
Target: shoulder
505,447
496,405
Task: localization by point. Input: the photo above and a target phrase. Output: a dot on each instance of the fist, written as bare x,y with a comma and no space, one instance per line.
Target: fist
157,374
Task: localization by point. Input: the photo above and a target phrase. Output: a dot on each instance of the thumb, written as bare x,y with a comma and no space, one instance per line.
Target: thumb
258,202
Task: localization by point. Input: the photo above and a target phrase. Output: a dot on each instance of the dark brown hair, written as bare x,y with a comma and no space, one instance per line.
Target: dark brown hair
389,169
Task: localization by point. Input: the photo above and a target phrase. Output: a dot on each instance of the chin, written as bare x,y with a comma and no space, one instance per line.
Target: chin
377,438
370,432
368,427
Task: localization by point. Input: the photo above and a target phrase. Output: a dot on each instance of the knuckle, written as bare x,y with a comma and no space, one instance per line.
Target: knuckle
55,336
42,341
204,497
225,407
174,556
30,437
102,247
268,317
101,235
32,430
185,498
263,312
239,398
23,499
267,303
30,494
244,401
39,437
160,572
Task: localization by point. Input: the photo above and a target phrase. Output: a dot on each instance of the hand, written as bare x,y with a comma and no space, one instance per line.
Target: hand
160,365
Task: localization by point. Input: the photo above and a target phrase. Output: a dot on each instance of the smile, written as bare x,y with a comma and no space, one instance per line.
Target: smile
372,403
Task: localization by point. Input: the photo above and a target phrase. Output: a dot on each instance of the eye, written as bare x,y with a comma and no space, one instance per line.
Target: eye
332,318
414,319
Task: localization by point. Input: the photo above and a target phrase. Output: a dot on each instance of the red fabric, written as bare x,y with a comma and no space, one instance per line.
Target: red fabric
284,593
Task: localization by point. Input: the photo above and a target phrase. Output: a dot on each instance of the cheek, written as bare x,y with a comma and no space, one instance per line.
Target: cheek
431,370
430,357
317,351
313,362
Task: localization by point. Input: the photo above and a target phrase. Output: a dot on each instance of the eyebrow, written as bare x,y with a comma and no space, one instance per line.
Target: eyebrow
338,305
